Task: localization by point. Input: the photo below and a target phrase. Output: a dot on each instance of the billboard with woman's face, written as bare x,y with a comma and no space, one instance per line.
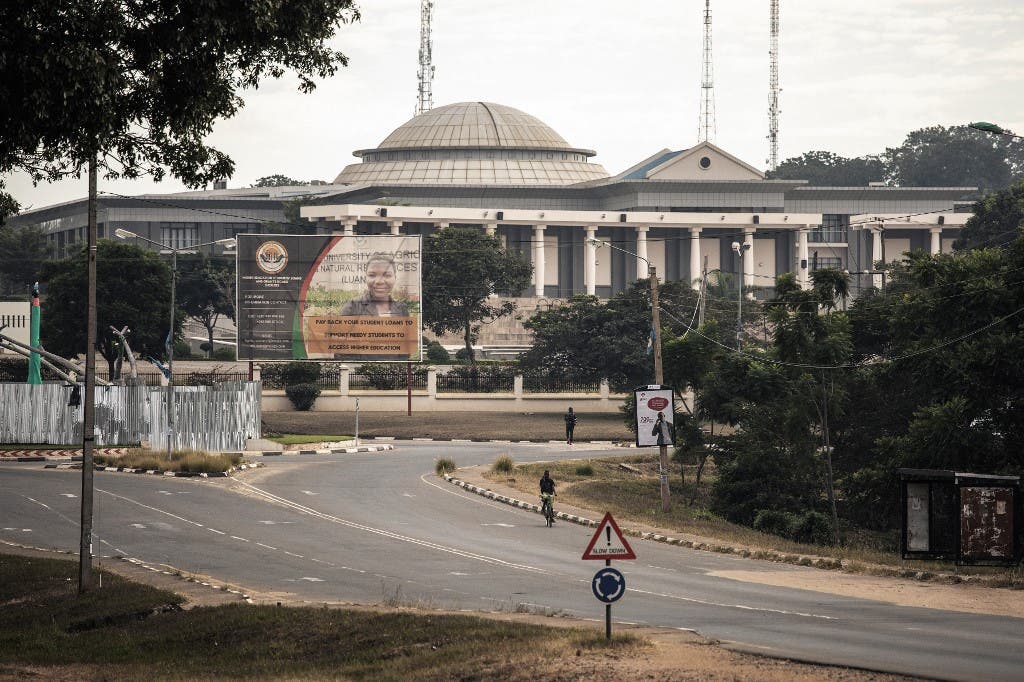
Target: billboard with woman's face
318,297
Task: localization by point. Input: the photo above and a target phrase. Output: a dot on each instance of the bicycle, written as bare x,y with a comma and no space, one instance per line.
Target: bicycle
547,508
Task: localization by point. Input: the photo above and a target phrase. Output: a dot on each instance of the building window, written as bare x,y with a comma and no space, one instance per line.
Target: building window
179,235
834,229
823,262
705,162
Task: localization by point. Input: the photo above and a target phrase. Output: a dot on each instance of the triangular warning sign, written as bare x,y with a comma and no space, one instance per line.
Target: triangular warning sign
608,542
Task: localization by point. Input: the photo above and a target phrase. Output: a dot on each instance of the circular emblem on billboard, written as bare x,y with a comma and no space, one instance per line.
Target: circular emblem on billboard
657,403
271,257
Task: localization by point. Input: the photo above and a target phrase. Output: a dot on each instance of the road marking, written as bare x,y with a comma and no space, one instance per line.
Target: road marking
501,525
235,537
312,580
137,525
294,554
407,495
218,532
310,492
267,546
68,495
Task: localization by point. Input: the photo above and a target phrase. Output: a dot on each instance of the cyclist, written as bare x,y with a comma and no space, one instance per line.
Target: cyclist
547,491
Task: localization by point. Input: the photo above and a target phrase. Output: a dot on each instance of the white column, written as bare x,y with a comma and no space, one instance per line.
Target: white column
490,229
876,255
350,228
936,233
804,266
396,227
748,260
590,260
695,261
642,263
538,260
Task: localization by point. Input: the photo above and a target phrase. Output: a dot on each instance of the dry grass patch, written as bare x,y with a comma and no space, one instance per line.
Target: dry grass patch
186,461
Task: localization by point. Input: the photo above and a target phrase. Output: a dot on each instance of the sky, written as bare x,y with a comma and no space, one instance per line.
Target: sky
624,79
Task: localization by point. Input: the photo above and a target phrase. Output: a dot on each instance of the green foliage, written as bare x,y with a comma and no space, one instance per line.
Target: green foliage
825,169
300,373
276,180
22,253
774,522
810,527
224,354
132,289
997,219
462,268
182,350
385,377
465,355
444,465
586,469
302,396
436,353
503,465
139,91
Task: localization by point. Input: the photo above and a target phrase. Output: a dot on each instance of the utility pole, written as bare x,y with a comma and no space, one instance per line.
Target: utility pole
659,378
89,404
703,293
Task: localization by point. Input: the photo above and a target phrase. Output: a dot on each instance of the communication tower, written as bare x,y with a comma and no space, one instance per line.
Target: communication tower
706,128
425,96
773,87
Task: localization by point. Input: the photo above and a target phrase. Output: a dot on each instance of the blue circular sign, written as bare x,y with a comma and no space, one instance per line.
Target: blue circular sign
609,585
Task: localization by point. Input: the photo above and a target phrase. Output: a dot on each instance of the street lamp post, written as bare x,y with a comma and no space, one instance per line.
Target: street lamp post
739,249
986,127
659,377
228,243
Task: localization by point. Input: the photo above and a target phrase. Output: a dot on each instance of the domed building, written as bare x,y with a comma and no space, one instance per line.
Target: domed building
473,143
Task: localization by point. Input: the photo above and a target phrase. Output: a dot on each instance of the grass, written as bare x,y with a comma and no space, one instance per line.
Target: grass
444,465
503,465
187,461
299,439
130,631
636,497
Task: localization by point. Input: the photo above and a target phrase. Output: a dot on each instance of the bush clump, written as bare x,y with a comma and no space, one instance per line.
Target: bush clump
300,373
811,527
503,465
444,465
436,353
586,469
302,396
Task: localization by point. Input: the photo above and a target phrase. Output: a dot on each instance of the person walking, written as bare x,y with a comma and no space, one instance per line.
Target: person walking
570,425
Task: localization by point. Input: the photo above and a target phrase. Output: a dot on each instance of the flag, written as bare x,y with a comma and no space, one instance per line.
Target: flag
167,344
650,341
160,366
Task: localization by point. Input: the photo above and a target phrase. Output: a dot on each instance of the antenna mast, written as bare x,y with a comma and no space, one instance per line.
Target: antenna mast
425,74
706,128
773,88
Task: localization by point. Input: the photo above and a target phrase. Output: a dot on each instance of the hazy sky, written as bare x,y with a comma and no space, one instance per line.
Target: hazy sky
624,79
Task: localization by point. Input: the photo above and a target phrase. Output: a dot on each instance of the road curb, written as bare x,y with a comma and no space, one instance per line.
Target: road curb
330,451
159,472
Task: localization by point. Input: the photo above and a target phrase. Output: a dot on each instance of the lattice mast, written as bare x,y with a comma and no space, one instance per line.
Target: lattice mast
706,127
425,74
773,87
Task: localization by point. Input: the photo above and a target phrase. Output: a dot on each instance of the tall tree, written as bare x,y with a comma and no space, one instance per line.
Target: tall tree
957,156
137,85
827,169
277,180
462,269
998,219
201,292
22,253
133,289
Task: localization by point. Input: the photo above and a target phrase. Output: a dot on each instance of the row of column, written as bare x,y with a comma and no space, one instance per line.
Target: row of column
878,245
643,265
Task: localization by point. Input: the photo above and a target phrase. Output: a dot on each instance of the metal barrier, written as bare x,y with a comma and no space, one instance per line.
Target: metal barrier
215,418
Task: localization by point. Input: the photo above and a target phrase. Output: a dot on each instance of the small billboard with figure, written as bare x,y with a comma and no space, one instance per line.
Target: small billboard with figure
354,298
655,415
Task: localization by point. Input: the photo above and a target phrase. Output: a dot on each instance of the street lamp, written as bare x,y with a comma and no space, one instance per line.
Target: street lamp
658,372
228,243
739,249
986,127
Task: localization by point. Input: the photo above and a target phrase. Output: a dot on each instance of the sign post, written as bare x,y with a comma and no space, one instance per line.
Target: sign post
608,584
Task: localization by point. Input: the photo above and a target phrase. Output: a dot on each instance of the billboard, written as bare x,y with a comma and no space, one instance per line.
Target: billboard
650,402
329,297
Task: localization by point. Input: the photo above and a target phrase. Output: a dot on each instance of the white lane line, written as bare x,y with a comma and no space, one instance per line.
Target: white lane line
388,534
218,532
267,546
235,537
312,580
310,492
294,554
44,506
68,495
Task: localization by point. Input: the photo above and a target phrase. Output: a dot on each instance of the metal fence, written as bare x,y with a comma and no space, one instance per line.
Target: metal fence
456,383
215,418
553,384
387,378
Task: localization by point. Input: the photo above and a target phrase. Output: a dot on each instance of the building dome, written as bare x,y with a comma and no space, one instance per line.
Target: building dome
473,143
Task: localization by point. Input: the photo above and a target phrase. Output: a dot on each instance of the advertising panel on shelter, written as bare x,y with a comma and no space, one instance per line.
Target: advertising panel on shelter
655,412
327,297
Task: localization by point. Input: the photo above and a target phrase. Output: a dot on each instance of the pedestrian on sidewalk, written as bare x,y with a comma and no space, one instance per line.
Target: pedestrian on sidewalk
570,425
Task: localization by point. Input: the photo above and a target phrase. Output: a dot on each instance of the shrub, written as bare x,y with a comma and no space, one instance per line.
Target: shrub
302,395
813,527
206,346
445,465
585,469
224,354
182,351
503,465
463,355
300,373
775,522
437,354
386,377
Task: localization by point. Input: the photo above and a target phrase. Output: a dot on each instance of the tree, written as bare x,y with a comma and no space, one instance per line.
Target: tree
277,180
462,269
826,169
22,253
998,219
137,86
133,287
202,294
958,156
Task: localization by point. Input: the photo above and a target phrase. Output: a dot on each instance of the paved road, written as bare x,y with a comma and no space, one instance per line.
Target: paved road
379,527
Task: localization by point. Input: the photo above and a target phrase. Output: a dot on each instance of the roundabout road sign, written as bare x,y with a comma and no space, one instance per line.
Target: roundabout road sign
609,585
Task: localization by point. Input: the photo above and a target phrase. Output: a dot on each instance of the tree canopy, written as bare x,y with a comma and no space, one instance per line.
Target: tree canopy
827,169
133,289
205,290
277,180
22,253
462,268
998,219
138,85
